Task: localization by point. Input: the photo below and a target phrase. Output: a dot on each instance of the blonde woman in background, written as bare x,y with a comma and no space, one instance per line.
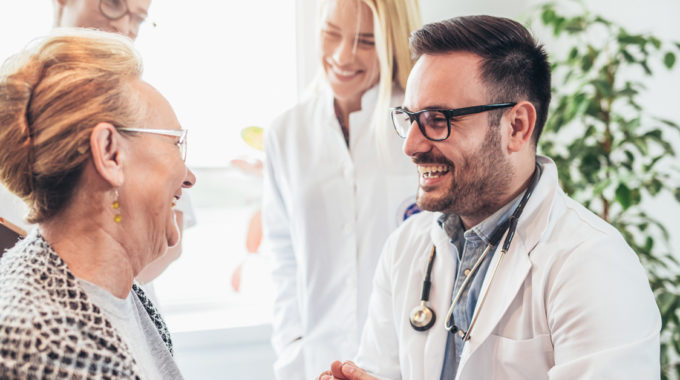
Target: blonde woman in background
97,155
336,184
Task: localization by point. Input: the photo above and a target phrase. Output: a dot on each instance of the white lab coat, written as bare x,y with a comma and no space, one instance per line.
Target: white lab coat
326,215
570,301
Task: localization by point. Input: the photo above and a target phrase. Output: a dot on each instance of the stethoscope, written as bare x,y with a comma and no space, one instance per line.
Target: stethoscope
422,317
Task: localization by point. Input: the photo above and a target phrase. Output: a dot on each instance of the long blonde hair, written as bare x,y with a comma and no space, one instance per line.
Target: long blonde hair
393,23
51,97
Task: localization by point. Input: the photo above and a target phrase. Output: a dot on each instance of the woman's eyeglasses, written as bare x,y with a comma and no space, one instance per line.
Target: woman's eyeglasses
181,133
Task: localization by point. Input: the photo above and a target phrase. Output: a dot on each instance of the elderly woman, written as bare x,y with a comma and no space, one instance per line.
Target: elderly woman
98,156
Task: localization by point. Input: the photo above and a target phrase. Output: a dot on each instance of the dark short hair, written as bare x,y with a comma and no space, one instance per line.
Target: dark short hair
514,66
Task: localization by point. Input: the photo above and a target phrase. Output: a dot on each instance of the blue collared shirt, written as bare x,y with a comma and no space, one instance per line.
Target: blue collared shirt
468,247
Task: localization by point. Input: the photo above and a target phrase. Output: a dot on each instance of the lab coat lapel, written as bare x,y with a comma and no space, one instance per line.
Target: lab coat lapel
509,278
515,267
440,300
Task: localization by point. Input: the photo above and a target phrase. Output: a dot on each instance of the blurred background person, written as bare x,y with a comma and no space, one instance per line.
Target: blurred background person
116,16
336,184
98,156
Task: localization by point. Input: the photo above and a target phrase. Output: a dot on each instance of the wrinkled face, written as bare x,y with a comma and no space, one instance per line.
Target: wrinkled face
466,173
155,175
349,58
88,14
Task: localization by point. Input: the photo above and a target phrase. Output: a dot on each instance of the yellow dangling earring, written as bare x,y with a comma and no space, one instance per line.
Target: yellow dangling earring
116,206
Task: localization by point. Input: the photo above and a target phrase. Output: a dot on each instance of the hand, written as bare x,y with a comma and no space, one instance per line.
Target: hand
345,371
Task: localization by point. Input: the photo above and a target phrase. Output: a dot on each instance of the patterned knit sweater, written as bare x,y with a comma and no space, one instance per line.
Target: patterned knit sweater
49,329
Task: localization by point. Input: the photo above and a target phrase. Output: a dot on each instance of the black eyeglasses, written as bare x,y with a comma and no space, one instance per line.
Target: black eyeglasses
435,124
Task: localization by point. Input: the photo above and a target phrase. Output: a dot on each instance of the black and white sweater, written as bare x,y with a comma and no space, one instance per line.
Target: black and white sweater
49,329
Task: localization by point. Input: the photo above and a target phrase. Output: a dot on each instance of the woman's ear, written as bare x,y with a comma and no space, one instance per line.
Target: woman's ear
106,147
522,123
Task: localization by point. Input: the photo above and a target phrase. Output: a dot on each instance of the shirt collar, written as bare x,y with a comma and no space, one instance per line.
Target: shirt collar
453,227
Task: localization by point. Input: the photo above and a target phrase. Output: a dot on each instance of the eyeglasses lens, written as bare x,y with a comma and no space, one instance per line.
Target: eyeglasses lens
113,9
183,147
435,124
402,122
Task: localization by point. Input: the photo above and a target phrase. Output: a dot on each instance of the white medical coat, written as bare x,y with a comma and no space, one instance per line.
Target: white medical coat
327,212
570,301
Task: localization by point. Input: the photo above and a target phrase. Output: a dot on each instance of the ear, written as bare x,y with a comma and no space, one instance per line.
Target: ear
105,145
522,122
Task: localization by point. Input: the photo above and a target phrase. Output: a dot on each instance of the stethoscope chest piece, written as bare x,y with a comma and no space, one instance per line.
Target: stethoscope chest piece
422,317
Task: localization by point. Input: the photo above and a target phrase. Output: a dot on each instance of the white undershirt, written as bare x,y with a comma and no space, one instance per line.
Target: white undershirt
129,317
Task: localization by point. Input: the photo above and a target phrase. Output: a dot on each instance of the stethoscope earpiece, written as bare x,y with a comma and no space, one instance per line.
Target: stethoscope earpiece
422,317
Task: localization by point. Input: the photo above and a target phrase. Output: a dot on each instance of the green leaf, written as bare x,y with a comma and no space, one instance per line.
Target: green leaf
587,63
649,243
602,20
645,67
669,123
590,166
641,144
676,193
601,186
573,53
548,15
627,56
631,39
655,186
603,87
624,196
635,196
669,60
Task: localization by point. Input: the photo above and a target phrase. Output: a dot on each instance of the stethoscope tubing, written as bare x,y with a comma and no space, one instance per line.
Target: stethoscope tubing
509,226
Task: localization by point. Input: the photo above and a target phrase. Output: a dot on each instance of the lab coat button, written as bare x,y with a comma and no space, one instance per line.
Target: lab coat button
466,272
461,333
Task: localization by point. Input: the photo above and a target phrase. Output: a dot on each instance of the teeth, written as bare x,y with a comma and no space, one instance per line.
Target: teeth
432,171
343,72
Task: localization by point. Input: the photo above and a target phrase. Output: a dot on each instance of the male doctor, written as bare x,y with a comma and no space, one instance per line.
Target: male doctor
568,300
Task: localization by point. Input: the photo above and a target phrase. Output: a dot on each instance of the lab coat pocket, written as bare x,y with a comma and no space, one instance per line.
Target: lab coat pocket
510,357
401,198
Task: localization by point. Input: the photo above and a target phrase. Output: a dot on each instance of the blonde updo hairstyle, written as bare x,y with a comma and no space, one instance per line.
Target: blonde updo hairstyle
51,97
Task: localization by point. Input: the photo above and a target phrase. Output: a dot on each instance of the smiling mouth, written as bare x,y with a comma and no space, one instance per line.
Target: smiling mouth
433,171
344,73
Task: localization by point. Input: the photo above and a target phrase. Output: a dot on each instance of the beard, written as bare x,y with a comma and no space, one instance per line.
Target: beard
477,182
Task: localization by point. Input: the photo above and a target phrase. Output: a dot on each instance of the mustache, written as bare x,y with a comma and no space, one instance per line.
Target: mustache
430,158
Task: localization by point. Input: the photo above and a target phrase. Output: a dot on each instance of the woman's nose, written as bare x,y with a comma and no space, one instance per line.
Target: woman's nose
189,179
344,52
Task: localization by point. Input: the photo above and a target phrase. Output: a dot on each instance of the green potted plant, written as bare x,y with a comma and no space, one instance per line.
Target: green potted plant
612,155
